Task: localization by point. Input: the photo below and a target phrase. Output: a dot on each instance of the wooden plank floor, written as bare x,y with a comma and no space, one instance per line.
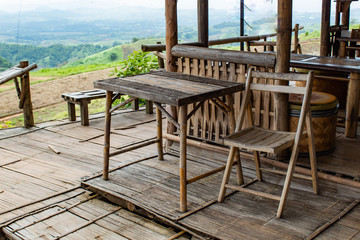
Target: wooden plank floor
30,171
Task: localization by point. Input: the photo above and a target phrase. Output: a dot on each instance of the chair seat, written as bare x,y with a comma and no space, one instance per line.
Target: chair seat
262,140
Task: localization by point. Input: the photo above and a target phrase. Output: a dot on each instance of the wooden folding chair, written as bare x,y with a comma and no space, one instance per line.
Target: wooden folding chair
263,140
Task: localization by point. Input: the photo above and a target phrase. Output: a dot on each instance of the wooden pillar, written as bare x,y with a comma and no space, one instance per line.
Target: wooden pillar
283,44
171,41
171,33
345,16
352,105
242,19
203,22
325,28
25,102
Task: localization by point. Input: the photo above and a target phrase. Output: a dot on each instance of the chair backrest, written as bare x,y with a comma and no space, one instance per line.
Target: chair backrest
253,86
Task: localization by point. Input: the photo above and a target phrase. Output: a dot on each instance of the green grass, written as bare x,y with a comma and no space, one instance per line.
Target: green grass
51,113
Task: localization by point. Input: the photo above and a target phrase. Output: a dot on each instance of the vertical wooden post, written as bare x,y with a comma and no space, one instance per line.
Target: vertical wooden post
325,28
160,60
27,104
171,33
171,41
352,105
183,178
159,134
242,19
107,135
296,38
283,43
345,16
203,22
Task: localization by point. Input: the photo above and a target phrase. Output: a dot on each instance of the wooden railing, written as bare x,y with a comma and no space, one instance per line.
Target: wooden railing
23,89
209,122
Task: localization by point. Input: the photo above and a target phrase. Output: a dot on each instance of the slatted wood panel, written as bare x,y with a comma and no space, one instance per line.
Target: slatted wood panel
210,123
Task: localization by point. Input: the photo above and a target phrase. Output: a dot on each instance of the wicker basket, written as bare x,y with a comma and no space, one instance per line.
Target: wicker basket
324,108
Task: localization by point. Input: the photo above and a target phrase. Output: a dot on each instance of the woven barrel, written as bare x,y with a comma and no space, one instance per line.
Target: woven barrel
324,108
333,87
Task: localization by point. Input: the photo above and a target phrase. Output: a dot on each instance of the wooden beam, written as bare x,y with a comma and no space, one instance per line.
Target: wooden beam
325,28
252,58
203,22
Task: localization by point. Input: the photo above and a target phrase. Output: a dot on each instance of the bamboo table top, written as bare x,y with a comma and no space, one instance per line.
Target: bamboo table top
171,88
325,63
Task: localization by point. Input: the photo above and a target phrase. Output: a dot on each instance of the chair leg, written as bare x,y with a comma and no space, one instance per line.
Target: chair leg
239,174
312,153
227,172
257,165
288,179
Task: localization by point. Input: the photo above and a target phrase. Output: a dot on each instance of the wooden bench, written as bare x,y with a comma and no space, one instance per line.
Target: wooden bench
83,98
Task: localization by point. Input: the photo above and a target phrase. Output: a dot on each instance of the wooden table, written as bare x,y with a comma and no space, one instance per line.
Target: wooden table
170,88
351,66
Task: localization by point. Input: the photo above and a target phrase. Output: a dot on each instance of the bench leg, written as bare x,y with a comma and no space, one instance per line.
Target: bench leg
71,111
135,104
84,113
149,107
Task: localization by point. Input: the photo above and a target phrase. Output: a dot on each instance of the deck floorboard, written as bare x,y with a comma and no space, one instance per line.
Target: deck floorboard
31,176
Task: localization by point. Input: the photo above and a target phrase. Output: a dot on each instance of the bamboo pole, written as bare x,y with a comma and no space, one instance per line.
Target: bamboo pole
325,28
107,135
183,143
162,47
203,22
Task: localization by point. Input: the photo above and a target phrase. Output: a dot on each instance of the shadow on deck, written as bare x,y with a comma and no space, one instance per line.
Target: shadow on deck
30,172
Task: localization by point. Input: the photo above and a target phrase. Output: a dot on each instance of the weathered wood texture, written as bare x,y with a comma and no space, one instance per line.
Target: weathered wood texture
30,171
209,122
325,28
203,22
170,88
80,215
250,217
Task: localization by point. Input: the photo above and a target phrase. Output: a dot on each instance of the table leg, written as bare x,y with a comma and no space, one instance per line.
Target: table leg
352,105
159,134
107,135
183,179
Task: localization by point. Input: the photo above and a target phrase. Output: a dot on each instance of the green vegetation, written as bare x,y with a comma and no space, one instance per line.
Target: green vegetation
51,113
138,62
51,56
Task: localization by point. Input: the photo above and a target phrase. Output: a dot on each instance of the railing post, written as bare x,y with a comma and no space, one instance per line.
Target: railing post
26,104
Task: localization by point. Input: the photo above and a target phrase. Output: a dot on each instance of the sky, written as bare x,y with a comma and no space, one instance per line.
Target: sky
14,5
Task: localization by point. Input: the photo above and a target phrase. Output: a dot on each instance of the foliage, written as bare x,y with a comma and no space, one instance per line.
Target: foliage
4,63
51,56
6,124
138,62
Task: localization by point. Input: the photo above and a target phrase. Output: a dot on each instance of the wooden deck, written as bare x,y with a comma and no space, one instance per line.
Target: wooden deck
36,184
